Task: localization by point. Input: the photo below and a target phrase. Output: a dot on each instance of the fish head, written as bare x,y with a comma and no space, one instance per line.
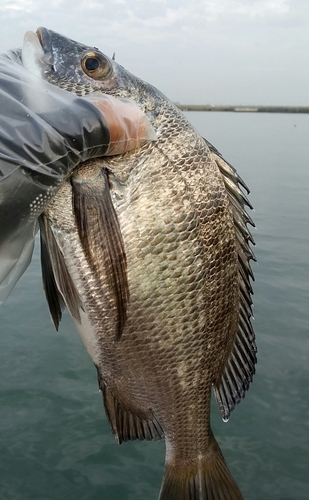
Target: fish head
81,69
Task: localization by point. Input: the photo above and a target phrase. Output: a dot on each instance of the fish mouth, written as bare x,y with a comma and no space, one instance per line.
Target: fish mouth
37,52
44,38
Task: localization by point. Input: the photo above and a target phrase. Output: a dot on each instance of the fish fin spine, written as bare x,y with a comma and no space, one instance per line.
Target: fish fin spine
126,425
206,478
239,369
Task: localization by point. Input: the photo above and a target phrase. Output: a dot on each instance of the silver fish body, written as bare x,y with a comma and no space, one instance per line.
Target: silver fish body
149,251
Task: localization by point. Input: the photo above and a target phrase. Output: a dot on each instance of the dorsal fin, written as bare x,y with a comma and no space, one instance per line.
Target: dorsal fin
240,366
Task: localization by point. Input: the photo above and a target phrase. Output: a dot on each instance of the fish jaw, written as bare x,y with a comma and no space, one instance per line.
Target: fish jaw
34,58
38,63
62,55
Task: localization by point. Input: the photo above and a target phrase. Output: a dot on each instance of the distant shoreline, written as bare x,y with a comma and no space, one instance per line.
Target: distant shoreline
244,109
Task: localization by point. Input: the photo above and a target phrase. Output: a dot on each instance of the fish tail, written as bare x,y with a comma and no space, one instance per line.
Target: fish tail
205,478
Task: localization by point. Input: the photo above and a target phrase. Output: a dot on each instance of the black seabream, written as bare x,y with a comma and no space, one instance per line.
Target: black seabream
149,251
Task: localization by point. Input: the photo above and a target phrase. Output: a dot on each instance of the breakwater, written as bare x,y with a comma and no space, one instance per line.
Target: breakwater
244,109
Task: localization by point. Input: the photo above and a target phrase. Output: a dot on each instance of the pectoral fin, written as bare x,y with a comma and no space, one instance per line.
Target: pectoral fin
101,238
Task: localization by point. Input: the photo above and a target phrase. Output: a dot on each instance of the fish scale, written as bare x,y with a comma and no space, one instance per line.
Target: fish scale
150,251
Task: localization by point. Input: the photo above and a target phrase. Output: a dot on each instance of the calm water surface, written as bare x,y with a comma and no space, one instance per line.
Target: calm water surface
55,442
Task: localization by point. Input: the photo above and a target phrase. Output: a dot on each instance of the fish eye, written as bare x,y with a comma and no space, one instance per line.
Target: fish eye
95,65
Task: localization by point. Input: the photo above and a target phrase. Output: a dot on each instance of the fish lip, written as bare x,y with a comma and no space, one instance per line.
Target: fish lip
44,39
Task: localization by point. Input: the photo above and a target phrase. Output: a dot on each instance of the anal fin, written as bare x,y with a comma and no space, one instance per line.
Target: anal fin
126,425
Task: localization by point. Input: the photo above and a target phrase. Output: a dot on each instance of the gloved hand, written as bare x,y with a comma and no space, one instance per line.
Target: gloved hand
129,127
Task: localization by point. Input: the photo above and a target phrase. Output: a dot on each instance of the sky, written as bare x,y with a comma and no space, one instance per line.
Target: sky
246,52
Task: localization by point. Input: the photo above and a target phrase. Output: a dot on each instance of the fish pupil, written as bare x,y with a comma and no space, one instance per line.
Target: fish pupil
92,64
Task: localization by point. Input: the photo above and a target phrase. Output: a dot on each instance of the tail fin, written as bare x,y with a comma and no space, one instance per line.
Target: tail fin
203,479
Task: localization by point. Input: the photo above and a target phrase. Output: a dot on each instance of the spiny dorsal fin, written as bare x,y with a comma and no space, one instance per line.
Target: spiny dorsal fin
240,366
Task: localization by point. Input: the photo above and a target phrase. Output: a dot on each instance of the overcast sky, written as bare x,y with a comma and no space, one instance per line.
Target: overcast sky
195,51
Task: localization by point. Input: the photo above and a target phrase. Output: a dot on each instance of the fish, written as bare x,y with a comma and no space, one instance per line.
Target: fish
150,252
